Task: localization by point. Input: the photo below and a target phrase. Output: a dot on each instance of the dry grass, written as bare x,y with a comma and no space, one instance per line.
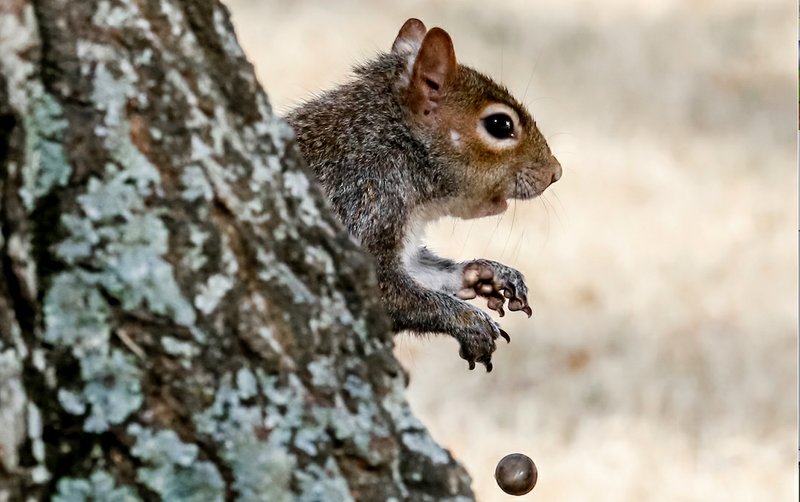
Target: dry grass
660,361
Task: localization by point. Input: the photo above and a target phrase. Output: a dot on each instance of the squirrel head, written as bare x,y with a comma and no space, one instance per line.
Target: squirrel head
472,125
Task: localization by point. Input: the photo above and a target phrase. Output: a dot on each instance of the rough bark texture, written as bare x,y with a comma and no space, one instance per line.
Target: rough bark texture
180,316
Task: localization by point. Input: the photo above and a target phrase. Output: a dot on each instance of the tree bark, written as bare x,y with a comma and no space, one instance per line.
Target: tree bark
181,318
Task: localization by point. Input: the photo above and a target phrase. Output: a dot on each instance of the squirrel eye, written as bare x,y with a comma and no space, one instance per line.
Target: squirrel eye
499,125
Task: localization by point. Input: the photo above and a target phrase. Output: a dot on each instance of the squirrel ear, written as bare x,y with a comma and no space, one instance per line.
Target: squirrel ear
434,67
410,36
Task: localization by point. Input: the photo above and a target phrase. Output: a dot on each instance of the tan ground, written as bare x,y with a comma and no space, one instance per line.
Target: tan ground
660,361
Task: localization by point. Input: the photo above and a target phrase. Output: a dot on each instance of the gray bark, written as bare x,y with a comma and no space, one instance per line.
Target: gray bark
181,318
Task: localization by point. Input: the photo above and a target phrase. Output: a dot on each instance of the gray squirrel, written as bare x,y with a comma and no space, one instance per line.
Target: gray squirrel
413,137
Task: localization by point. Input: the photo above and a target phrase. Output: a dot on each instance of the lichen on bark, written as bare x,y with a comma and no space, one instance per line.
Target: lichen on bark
180,317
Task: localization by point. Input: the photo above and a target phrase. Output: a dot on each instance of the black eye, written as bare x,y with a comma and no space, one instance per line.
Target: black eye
499,125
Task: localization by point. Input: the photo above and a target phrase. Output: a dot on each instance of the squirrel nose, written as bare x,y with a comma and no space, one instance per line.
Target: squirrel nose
556,171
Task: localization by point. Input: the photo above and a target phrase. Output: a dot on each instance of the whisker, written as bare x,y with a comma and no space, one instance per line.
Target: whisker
519,245
560,133
530,102
530,77
513,219
494,231
502,51
520,241
510,231
547,225
561,205
466,237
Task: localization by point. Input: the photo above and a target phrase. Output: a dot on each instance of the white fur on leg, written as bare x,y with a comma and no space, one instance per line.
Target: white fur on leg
427,275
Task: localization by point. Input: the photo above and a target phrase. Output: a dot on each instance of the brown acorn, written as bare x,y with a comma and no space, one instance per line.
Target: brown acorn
516,474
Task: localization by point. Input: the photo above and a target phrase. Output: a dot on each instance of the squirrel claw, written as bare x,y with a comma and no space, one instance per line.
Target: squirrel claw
496,303
487,362
477,337
516,304
505,335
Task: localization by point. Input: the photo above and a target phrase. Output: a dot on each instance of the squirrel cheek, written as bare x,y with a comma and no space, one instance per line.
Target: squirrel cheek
455,138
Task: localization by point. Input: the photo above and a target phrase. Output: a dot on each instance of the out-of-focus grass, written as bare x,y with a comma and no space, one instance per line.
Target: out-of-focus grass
660,361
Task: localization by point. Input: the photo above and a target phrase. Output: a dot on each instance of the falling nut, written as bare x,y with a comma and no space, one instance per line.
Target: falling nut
516,474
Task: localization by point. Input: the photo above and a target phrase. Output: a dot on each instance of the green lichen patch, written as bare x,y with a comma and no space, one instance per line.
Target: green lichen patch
34,424
323,483
298,186
358,429
119,15
81,239
172,468
46,162
421,443
255,438
112,389
180,348
196,185
76,314
212,292
128,241
195,257
272,271
262,469
76,317
100,486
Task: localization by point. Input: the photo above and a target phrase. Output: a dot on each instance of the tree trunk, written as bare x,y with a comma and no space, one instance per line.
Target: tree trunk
181,318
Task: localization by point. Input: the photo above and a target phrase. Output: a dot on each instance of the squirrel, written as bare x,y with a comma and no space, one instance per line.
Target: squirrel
415,136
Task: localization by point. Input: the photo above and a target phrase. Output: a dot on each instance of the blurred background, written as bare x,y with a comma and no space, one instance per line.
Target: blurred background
660,361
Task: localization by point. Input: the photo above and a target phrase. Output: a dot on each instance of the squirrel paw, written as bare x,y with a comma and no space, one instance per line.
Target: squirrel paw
477,338
498,283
